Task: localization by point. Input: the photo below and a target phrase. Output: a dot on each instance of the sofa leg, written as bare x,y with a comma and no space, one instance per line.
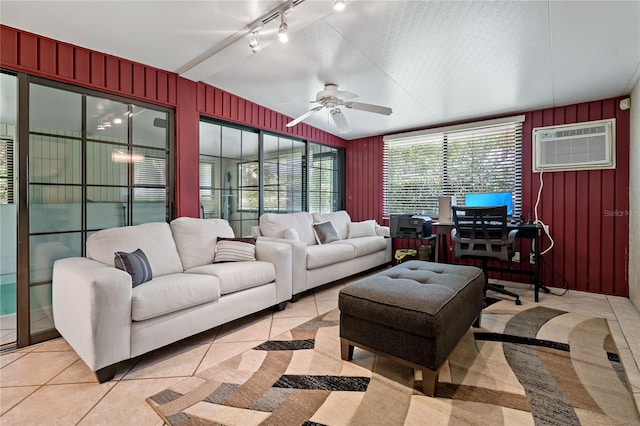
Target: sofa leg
346,349
280,306
106,373
295,298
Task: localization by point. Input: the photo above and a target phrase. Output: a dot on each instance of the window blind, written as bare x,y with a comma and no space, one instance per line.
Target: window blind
419,167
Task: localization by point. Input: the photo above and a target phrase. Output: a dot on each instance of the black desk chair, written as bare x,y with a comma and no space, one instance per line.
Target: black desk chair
482,233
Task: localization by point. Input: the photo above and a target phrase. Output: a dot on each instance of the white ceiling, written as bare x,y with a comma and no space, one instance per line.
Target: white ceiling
432,62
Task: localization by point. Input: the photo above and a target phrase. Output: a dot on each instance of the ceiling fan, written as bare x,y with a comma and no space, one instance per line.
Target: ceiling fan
332,98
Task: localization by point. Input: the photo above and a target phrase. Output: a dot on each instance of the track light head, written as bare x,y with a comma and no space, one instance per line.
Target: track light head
338,5
254,41
283,30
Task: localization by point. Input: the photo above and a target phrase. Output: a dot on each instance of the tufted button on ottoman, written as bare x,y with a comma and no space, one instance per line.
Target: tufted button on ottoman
414,313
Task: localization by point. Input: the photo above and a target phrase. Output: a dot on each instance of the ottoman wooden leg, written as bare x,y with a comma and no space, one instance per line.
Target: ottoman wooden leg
346,350
430,381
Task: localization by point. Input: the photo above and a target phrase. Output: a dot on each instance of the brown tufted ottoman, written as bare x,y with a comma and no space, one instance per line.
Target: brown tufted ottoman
414,313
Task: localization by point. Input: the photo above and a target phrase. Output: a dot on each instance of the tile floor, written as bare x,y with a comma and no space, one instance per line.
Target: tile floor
47,384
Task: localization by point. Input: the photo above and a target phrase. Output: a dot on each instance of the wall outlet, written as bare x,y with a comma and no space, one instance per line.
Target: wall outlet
532,258
516,257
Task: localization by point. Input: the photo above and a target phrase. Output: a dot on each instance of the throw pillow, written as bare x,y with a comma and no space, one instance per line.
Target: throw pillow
325,233
135,264
235,249
366,228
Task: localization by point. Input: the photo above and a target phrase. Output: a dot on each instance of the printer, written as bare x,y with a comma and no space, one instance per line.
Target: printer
409,226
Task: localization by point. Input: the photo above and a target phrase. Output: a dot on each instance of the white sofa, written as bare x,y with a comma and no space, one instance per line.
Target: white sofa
317,264
106,320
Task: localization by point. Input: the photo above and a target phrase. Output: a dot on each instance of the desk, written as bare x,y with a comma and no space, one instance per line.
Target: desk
525,230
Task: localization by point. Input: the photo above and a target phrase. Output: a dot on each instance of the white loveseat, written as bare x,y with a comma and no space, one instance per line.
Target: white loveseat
106,320
317,264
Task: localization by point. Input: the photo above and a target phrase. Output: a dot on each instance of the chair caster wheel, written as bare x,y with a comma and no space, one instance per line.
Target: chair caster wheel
518,302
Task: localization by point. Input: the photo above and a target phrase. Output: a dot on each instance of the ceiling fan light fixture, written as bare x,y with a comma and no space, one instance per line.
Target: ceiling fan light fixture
254,41
338,5
283,30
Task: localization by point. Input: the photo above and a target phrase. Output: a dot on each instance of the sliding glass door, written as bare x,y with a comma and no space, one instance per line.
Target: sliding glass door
85,161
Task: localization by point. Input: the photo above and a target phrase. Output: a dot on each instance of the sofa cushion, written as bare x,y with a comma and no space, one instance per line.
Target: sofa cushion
328,254
325,233
171,293
339,219
196,239
236,276
134,264
366,228
154,238
275,225
235,249
363,246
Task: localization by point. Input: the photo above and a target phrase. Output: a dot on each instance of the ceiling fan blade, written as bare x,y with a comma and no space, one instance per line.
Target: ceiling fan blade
369,107
304,116
342,94
341,122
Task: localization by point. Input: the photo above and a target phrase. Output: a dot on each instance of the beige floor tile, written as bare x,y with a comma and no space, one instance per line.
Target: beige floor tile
56,405
126,403
248,328
36,368
78,372
329,291
58,344
325,306
221,351
9,357
9,397
171,361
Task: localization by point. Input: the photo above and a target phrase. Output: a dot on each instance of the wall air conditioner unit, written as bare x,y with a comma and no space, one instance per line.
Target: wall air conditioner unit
582,146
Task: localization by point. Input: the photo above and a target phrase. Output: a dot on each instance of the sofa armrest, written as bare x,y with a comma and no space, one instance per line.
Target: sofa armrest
255,231
280,255
92,310
382,231
298,262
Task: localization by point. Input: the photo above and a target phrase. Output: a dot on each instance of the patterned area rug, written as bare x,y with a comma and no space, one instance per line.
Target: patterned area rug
526,365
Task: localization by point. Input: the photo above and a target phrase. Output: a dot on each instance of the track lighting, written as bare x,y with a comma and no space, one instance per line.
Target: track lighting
283,30
338,5
254,41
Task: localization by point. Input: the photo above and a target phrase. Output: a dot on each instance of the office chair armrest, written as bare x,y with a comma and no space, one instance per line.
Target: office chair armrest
511,238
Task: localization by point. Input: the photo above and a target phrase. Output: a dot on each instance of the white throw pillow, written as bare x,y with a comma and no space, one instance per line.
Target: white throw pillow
365,228
235,250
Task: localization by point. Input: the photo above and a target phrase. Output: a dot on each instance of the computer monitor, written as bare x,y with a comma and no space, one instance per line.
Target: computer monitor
490,199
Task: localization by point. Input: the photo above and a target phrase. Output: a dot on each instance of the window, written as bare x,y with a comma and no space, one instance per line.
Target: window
481,157
324,181
246,172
